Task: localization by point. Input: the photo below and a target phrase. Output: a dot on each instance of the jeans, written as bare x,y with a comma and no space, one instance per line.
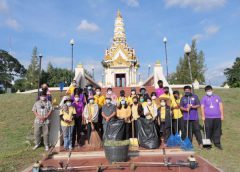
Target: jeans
40,129
67,136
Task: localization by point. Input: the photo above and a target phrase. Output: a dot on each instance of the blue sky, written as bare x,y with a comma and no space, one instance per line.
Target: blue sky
50,25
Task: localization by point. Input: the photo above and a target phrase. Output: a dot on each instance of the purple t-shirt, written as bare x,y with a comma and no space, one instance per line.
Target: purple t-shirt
159,91
79,106
193,113
211,106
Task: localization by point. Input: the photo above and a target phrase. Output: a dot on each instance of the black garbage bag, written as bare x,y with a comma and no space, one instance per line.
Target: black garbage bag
115,130
147,134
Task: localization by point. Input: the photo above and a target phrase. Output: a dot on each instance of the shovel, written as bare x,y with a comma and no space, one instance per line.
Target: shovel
133,141
206,142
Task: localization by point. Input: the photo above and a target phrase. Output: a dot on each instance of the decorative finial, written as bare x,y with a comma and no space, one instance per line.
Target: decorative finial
119,14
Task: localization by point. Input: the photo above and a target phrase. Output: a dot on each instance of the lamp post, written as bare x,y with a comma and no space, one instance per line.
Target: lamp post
93,72
139,77
149,67
39,74
103,79
72,43
187,51
165,45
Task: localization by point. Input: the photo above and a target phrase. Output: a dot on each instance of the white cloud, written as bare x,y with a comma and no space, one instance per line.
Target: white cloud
196,5
3,6
87,26
12,23
131,3
208,32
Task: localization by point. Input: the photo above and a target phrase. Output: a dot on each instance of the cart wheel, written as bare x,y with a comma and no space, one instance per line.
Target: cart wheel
132,167
193,164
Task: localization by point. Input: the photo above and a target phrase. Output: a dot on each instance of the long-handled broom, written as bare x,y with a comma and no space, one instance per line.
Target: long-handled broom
177,135
171,142
133,140
186,144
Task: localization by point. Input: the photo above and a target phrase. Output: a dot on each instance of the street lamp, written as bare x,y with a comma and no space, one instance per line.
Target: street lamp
187,51
165,45
139,77
39,74
149,67
72,43
93,72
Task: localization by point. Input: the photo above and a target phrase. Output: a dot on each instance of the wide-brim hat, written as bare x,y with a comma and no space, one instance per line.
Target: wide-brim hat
67,99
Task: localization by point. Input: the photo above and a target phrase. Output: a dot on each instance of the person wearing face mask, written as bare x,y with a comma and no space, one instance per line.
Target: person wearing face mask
141,100
100,100
42,110
124,112
122,97
137,112
167,95
212,116
113,96
108,112
143,93
189,105
78,104
46,90
133,94
178,124
71,89
150,110
89,91
91,115
160,90
67,114
165,119
155,99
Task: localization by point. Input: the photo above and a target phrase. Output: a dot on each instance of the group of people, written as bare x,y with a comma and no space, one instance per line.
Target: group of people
86,109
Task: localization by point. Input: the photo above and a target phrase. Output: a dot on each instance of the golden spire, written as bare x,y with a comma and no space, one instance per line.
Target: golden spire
119,30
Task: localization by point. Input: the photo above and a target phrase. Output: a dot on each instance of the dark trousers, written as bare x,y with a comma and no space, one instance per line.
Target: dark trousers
214,130
180,125
135,129
165,128
100,125
128,131
89,130
77,131
193,128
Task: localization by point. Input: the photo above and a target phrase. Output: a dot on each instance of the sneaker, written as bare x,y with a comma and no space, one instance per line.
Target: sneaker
35,147
46,148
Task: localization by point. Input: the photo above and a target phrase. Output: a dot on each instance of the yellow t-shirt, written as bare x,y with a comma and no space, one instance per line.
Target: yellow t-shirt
135,114
177,113
100,100
162,113
124,114
70,91
130,99
68,116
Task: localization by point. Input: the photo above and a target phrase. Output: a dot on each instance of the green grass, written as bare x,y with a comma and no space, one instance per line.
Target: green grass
16,132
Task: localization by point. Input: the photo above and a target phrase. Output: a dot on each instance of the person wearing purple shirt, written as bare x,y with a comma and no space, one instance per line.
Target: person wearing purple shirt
160,90
189,105
212,115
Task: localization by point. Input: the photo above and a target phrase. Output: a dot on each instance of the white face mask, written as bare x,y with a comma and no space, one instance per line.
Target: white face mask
109,92
133,92
123,102
154,97
149,103
98,93
209,93
91,101
74,84
68,104
108,101
163,104
76,99
43,98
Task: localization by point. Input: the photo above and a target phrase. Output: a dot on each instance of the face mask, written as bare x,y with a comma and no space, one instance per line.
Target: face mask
135,102
76,99
123,102
133,92
98,93
166,92
188,94
141,100
122,94
42,98
108,101
109,92
163,104
74,84
91,101
68,104
89,88
149,103
154,97
143,91
209,93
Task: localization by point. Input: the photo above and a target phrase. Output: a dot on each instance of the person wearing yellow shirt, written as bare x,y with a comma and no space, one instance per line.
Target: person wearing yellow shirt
124,112
150,110
67,114
142,101
167,95
121,97
165,119
133,94
178,122
71,89
155,99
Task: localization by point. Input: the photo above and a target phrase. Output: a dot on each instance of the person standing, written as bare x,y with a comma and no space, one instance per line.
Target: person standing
124,112
108,112
112,95
67,114
160,90
133,94
150,110
71,89
91,115
121,97
42,110
143,93
167,95
212,116
189,105
137,112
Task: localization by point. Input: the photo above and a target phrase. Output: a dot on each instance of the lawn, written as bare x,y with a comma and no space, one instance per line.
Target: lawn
16,132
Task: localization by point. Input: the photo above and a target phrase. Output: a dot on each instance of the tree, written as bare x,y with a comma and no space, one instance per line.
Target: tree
33,70
182,76
10,67
233,74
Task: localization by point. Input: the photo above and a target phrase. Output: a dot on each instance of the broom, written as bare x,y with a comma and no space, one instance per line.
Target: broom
177,135
186,144
171,142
